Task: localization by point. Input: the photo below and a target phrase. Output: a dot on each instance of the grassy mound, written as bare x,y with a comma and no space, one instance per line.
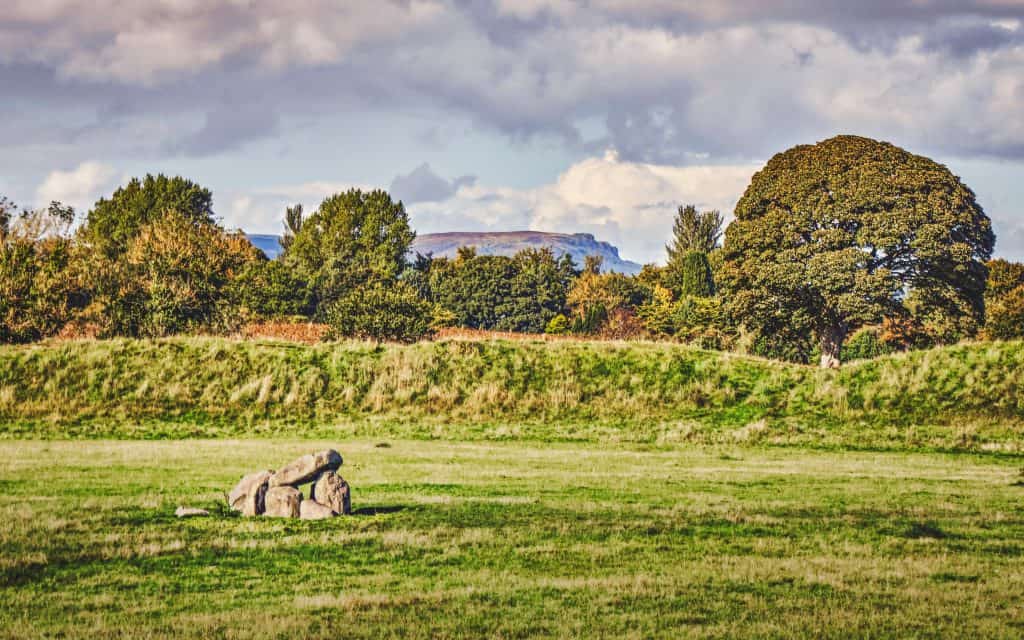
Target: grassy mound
967,396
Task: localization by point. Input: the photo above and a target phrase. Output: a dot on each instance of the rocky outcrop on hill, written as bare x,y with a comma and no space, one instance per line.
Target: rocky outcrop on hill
498,243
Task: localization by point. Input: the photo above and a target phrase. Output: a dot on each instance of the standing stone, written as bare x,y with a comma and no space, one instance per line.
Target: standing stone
238,495
255,502
306,468
331,490
313,510
282,502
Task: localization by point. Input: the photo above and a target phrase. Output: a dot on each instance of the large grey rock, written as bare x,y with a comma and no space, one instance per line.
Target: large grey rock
306,468
238,495
283,502
313,510
255,502
331,490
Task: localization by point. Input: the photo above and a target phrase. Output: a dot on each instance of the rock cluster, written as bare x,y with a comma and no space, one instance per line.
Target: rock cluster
269,493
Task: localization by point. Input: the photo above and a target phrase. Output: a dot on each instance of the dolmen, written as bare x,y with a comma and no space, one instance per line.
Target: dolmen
278,494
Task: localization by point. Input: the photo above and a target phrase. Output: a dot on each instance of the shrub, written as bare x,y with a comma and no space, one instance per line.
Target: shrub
1005,316
865,344
292,330
559,325
381,312
266,289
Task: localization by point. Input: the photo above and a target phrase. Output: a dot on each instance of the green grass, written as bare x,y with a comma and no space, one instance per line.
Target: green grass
491,539
968,397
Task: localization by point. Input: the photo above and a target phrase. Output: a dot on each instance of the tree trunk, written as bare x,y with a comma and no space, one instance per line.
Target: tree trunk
831,343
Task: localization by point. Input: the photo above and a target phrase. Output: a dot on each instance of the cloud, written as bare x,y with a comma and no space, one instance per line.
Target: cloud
423,185
228,127
668,84
262,211
737,78
153,42
80,187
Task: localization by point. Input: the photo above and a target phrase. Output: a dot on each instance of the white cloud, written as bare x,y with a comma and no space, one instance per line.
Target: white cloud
80,187
262,211
148,42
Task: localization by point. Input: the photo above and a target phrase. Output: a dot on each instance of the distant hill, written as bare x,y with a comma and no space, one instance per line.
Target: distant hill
499,243
507,243
270,245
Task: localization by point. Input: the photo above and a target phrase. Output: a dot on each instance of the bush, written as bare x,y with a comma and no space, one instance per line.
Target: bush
267,289
1005,316
865,344
381,312
558,326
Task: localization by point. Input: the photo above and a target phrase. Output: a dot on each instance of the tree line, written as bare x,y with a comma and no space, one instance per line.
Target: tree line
846,249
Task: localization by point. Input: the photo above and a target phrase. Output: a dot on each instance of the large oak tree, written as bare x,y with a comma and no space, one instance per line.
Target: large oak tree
836,235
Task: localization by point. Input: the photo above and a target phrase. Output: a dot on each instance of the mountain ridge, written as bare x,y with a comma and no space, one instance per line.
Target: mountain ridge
502,243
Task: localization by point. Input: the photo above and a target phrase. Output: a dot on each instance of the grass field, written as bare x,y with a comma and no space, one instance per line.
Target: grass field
515,539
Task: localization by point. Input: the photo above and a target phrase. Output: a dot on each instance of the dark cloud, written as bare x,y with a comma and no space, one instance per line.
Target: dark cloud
228,127
964,39
423,185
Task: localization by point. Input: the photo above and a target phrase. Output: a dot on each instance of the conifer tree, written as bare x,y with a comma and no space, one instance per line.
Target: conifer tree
694,235
695,275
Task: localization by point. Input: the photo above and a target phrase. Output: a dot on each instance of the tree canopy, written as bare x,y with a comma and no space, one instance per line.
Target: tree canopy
351,239
694,231
835,235
113,223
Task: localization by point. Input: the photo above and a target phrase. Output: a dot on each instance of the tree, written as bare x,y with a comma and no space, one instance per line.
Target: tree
7,212
539,288
380,312
173,277
352,239
694,236
694,275
592,264
836,235
475,288
292,226
519,293
1004,300
596,297
113,223
694,231
269,289
36,291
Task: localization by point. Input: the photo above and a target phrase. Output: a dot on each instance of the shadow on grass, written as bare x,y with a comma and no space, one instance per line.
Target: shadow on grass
920,530
377,511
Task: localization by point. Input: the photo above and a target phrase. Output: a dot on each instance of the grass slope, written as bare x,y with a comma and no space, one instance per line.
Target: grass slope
964,397
513,540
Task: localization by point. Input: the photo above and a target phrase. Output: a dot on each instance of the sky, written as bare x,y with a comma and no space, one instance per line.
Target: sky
598,116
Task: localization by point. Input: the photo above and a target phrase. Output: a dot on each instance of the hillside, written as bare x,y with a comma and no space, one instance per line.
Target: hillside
958,397
507,243
503,243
